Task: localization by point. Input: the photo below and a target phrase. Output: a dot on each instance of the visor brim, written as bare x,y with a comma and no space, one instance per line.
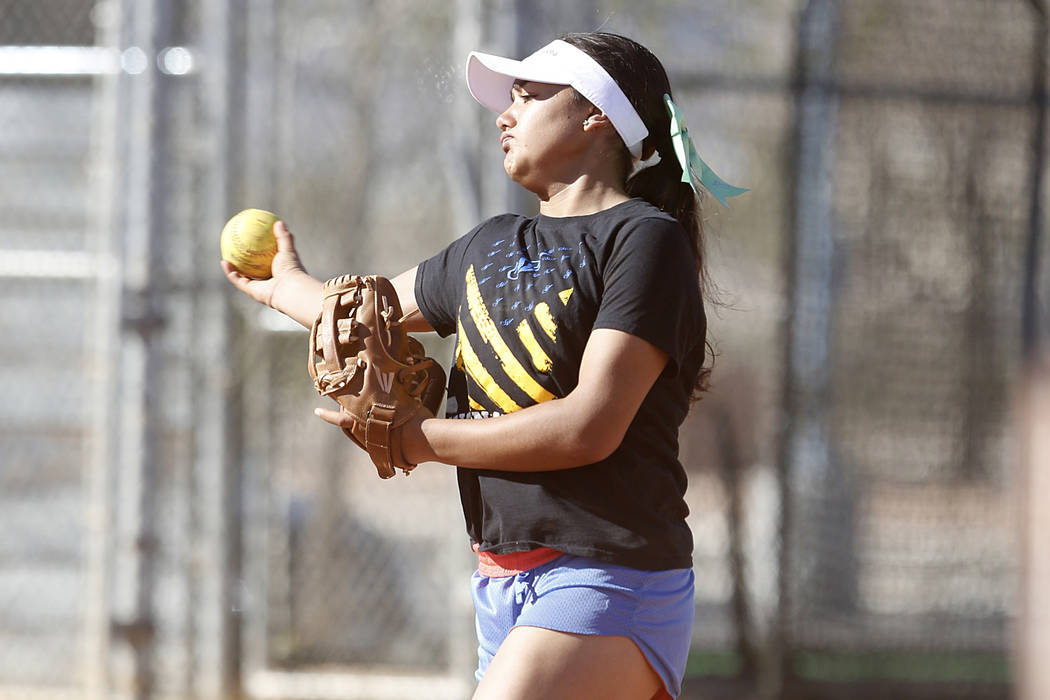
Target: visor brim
490,78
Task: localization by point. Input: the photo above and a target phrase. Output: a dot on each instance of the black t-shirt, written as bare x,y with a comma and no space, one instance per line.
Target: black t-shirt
524,294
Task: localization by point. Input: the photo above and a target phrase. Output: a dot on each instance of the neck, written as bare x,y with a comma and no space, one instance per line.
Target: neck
579,197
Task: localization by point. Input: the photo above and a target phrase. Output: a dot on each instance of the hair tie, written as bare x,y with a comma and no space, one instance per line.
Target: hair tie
641,164
692,165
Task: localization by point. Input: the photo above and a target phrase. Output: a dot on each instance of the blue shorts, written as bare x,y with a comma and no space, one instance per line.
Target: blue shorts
584,596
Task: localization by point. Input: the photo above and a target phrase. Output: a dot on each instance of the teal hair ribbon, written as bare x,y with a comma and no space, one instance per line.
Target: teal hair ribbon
692,165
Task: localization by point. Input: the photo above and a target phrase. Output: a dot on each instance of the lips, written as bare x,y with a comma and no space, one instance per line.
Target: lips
503,141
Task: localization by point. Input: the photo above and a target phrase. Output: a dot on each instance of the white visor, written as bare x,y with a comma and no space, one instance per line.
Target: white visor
490,78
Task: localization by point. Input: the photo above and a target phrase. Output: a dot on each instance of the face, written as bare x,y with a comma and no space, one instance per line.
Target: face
542,134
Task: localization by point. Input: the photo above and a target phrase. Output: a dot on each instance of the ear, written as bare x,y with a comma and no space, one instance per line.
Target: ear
596,120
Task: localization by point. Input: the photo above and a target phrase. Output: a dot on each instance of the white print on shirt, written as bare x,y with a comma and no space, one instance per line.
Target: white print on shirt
469,415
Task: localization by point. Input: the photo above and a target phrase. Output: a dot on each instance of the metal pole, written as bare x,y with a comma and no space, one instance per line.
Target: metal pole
262,64
1033,318
805,452
1033,639
216,469
142,324
103,346
461,162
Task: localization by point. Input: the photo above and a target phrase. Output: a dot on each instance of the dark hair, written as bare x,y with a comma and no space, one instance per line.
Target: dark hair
644,81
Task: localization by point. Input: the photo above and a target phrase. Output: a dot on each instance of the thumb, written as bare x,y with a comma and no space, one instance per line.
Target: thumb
285,240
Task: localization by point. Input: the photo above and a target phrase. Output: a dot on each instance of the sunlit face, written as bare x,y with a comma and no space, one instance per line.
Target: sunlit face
542,134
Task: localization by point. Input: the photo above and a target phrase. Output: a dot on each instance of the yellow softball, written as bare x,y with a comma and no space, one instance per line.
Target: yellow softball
248,242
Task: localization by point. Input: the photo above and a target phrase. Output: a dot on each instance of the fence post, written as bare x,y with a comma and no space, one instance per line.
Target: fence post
805,453
217,490
1034,321
106,144
140,222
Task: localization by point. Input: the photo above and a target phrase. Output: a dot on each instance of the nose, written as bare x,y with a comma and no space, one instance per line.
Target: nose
506,119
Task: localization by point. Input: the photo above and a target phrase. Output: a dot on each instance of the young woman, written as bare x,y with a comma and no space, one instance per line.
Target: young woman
580,343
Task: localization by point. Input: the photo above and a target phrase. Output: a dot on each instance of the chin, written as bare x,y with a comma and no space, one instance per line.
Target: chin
510,167
521,177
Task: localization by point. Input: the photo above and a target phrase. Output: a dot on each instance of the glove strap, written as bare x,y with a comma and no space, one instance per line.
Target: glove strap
377,438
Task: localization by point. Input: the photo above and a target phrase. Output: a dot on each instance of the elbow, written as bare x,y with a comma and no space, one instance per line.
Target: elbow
591,434
602,451
594,443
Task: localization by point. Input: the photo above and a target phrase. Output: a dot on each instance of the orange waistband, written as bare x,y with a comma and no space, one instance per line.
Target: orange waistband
496,565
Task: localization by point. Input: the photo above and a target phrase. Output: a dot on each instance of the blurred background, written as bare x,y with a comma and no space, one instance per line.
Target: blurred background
869,488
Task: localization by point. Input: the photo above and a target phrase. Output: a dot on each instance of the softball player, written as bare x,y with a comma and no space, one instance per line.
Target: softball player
580,342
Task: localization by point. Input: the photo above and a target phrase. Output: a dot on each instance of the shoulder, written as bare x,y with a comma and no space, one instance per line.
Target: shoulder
487,231
637,211
502,222
493,228
643,225
637,217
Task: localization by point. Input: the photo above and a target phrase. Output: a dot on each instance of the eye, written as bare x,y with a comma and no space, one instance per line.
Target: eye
519,93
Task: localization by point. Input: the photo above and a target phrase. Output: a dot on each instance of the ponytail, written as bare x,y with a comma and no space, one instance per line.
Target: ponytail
661,185
644,81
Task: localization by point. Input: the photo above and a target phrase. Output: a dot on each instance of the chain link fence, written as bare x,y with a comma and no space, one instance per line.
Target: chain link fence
177,523
45,417
916,187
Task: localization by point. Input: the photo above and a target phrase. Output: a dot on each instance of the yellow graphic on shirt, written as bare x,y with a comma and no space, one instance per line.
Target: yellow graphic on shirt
490,334
546,321
481,377
474,405
540,360
459,353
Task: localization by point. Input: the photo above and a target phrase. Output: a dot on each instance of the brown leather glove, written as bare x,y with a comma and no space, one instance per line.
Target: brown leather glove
361,356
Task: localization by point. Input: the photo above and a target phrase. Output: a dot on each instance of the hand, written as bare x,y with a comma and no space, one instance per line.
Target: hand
414,444
285,264
336,418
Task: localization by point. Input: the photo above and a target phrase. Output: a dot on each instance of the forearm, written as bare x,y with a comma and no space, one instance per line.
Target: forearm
295,293
552,435
584,427
298,296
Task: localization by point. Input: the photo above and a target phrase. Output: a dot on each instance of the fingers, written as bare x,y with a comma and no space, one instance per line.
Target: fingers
336,418
235,277
287,257
259,290
285,240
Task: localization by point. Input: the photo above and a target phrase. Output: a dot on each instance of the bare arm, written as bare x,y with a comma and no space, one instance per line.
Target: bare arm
405,286
616,373
296,294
